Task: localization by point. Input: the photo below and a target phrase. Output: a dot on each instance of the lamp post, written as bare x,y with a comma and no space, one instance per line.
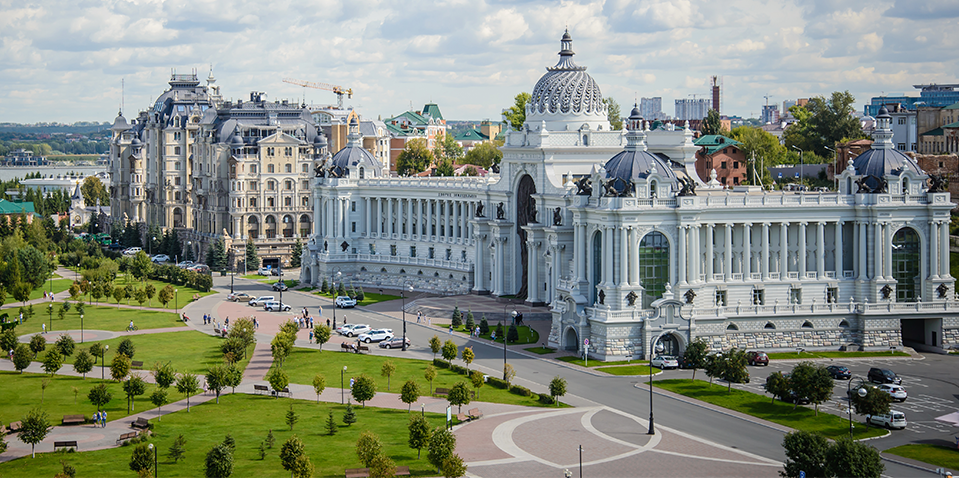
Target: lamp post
403,295
281,287
50,308
150,246
176,300
232,275
333,278
81,328
154,460
861,392
657,348
76,274
800,161
505,334
342,390
103,359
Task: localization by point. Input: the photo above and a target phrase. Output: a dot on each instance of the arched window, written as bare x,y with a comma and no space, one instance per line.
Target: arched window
653,266
807,325
844,324
905,185
597,262
288,185
652,189
905,264
362,173
769,326
731,328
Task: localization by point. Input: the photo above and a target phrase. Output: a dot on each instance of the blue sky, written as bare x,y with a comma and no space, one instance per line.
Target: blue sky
64,61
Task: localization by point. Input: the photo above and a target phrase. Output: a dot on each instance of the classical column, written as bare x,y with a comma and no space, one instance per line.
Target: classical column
456,219
709,252
747,268
838,246
366,212
608,258
696,248
820,249
532,280
680,254
783,250
934,250
887,250
878,265
944,249
624,252
862,244
764,264
579,259
498,267
634,257
479,277
728,253
802,251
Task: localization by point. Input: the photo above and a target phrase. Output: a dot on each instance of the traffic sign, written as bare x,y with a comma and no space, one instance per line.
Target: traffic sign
585,341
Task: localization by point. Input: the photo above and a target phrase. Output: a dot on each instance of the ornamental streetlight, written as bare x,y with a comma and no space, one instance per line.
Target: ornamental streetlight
403,295
657,347
505,334
333,278
342,389
50,308
280,286
861,392
176,300
103,359
800,161
154,460
81,328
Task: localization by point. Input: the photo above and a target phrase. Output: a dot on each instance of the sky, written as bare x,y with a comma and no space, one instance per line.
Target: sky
65,61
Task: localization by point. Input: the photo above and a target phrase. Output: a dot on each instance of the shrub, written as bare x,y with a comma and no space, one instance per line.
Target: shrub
458,369
546,399
519,390
497,382
441,363
484,325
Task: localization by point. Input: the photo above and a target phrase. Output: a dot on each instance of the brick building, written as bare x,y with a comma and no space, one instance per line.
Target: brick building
722,154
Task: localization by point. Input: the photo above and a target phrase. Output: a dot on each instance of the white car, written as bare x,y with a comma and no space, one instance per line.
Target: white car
376,335
896,391
131,251
161,258
274,306
664,362
343,329
356,330
261,300
344,302
893,419
263,271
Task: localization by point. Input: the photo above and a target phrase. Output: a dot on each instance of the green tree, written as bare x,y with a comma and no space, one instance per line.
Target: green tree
188,385
761,150
420,433
734,369
165,295
119,367
178,448
387,370
93,189
557,388
52,362
296,254
252,259
823,122
33,429
37,344
133,387
430,375
613,113
234,376
282,346
414,158
8,340
711,123
516,116
163,375
127,348
120,293
349,416
217,260
695,355
219,462
805,452
470,321
442,445
141,460
468,356
409,394
158,398
484,155
450,350
447,147
476,377
453,466
382,466
83,363
150,292
331,425
778,385
364,388
291,417
99,395
445,168
853,459
140,295
509,373
457,317
278,379
303,467
876,402
367,447
291,449
22,356
322,335
216,380
459,395
319,384
435,345
512,334
141,266
811,381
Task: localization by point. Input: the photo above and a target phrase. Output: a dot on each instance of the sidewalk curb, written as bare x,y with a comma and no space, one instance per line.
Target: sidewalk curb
908,464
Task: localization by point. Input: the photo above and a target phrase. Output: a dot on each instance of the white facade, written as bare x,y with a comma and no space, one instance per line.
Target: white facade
629,247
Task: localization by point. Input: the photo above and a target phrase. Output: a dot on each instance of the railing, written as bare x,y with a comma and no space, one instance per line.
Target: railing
792,275
755,276
399,260
812,275
618,315
838,308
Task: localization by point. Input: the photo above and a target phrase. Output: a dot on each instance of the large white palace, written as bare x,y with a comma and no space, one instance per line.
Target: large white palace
615,231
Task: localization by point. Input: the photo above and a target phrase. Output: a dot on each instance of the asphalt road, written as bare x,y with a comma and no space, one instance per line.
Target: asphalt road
927,377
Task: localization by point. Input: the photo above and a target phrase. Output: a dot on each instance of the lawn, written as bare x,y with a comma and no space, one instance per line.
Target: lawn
183,296
629,370
812,355
541,350
598,363
369,298
248,418
186,350
938,455
97,317
303,364
527,335
760,406
59,285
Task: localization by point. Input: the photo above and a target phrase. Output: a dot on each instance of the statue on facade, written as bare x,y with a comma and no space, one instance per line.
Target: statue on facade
689,296
937,183
345,246
500,211
886,292
494,168
319,171
479,210
558,217
631,298
532,211
688,188
583,187
942,290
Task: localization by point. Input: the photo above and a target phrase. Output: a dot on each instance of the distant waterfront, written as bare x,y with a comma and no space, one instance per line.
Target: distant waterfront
8,173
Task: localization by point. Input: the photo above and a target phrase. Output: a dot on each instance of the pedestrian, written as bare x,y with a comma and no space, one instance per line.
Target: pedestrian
104,418
344,319
327,322
419,316
451,329
351,383
227,322
96,419
311,321
44,326
311,336
492,337
477,331
429,321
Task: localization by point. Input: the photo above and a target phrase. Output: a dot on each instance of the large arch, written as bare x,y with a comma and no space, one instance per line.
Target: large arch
906,264
253,227
525,212
570,339
305,225
672,343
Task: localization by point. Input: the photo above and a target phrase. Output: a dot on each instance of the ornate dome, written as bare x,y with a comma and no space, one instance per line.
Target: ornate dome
883,159
566,96
354,156
635,162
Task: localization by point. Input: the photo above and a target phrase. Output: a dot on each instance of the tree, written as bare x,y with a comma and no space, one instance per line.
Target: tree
150,292
127,348
140,295
714,366
806,380
364,388
459,395
133,387
319,384
322,334
805,452
65,345
165,295
445,168
457,317
289,451
453,466
219,462
734,369
447,147
93,189
99,395
34,428
281,346
435,345
557,388
188,385
296,254
141,266
430,375
52,362
141,460
508,373
349,416
8,340
442,444
291,417
234,376
331,425
450,350
711,123
252,260
414,158
420,433
37,344
852,458
382,466
216,380
613,113
270,439
158,398
83,363
278,379
761,146
409,394
695,355
387,370
120,293
22,356
876,402
303,467
777,385
217,260
468,356
367,447
470,321
516,116
163,374
178,448
477,378
119,367
484,155
243,329
512,334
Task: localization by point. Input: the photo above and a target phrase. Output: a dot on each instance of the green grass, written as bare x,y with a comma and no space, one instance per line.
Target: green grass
186,350
258,277
938,455
808,355
248,418
540,350
97,317
599,363
527,335
760,406
303,364
183,296
59,285
629,370
369,298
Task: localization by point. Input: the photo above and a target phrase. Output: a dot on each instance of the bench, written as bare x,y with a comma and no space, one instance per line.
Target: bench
65,444
442,392
475,414
365,472
285,390
362,348
346,346
462,417
74,419
216,331
137,364
260,388
127,436
14,427
141,423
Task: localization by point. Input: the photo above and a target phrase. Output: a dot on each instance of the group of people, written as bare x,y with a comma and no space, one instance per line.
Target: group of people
100,419
48,295
207,319
419,318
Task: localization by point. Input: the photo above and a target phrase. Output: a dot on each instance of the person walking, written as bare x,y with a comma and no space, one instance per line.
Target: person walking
419,316
44,326
104,418
96,419
327,322
311,336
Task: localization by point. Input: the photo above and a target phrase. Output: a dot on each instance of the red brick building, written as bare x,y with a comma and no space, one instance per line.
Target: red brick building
722,154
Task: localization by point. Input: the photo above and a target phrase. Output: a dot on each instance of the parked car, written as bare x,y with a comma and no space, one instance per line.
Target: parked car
883,375
199,268
757,357
161,258
274,272
376,335
262,300
116,246
344,302
280,286
893,419
664,362
395,343
263,271
239,296
791,397
344,328
356,330
896,391
185,264
839,372
130,251
275,306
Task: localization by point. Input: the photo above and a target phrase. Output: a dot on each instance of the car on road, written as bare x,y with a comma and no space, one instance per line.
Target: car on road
376,335
275,306
883,375
239,296
263,271
757,357
355,330
131,251
199,268
395,343
893,419
345,301
895,391
280,286
664,362
185,264
839,372
161,258
261,300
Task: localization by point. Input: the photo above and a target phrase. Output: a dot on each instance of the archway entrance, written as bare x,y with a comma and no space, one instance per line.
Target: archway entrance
525,214
571,340
671,345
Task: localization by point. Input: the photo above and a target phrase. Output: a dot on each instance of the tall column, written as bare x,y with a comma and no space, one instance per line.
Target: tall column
728,253
934,250
579,258
532,282
862,243
608,258
944,250
479,277
634,257
456,220
709,252
764,263
837,250
366,212
783,250
820,249
419,218
802,251
680,253
887,250
747,268
499,266
878,265
697,249
624,252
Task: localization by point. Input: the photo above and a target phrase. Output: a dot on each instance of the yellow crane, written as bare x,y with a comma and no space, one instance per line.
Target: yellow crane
339,90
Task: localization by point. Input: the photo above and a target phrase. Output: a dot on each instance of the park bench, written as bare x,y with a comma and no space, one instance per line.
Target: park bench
475,414
285,390
140,423
260,388
74,419
127,436
365,472
346,346
442,392
462,417
137,364
362,348
65,444
216,331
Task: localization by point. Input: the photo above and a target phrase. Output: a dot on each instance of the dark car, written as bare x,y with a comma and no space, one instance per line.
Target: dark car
757,357
280,286
395,343
839,372
883,375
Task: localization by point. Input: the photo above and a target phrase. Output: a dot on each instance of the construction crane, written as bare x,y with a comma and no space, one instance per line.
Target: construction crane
339,90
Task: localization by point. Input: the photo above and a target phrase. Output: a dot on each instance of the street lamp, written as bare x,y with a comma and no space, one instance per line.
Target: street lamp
835,168
657,347
281,287
150,246
333,278
176,300
154,460
800,161
50,308
103,359
342,390
403,295
232,275
861,392
505,334
81,328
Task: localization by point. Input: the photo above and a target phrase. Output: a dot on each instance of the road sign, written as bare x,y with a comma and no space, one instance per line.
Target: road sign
802,474
585,341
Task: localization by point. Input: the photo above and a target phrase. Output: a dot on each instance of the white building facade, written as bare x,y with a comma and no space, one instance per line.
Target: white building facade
615,232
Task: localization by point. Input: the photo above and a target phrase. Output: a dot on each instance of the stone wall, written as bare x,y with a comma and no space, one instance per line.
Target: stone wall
787,340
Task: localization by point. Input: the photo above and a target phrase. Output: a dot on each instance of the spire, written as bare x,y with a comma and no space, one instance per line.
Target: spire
566,55
635,136
882,135
354,138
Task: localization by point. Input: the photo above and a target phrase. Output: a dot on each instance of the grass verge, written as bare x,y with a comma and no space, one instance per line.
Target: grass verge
599,363
760,406
540,350
527,335
629,370
938,455
369,298
59,285
97,317
811,355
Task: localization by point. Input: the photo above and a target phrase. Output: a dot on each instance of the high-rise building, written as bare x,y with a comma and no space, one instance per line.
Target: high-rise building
770,114
692,109
931,95
652,108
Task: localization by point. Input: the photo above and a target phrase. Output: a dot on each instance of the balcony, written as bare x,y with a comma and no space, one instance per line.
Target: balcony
399,260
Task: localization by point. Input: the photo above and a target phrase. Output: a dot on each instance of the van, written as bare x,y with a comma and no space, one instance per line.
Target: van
893,419
262,300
